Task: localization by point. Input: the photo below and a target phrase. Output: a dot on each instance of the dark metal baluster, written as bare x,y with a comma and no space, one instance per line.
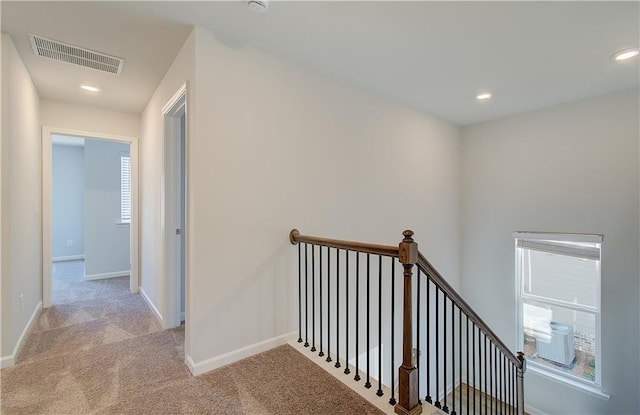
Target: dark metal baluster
418,327
491,378
486,357
346,297
368,382
479,371
437,404
357,376
467,365
460,354
513,389
444,352
337,308
498,388
499,379
504,382
328,359
299,293
306,297
428,337
491,368
379,391
473,363
508,384
510,389
514,393
393,401
313,298
320,302
497,360
517,404
453,358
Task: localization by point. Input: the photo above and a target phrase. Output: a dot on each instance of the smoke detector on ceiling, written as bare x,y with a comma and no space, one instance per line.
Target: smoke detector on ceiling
63,52
258,6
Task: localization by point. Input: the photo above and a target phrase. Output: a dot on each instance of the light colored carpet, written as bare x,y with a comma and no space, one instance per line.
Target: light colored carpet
106,353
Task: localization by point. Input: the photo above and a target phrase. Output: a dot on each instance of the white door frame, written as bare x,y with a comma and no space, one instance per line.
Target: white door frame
171,114
47,164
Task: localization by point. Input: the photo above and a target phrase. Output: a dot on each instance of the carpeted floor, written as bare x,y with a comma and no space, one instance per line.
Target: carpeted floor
100,350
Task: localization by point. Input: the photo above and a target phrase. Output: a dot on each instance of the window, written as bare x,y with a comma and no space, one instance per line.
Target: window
558,280
125,188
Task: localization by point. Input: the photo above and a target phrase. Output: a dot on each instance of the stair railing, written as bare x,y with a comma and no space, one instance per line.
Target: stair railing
493,376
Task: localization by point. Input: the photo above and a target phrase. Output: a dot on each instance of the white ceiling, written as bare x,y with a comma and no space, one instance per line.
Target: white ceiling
148,44
433,56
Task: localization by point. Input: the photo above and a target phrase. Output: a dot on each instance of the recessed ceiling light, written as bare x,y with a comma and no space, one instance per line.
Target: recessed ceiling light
483,96
258,6
626,54
90,88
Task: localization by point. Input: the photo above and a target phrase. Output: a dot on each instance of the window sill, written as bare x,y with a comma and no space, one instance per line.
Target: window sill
566,380
123,224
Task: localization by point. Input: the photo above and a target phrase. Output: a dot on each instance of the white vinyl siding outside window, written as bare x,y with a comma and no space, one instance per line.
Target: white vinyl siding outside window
125,188
558,300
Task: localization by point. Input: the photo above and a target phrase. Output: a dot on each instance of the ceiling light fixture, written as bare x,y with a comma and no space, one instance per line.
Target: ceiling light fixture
258,6
626,54
90,88
483,96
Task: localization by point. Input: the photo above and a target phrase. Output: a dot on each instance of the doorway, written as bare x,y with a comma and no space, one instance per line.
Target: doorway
91,214
175,209
122,230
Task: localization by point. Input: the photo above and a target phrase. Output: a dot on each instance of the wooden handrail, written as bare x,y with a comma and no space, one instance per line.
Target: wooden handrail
384,250
434,275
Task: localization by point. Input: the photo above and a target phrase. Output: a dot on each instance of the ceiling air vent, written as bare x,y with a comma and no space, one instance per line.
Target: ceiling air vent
63,52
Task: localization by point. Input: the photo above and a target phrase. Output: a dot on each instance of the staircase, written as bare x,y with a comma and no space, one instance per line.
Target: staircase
384,317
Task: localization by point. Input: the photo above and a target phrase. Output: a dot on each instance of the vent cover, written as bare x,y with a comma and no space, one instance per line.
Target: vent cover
63,52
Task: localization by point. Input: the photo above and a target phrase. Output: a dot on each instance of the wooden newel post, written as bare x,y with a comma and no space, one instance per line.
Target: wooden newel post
408,399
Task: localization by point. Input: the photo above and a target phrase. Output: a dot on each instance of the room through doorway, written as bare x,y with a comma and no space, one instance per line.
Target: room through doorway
91,218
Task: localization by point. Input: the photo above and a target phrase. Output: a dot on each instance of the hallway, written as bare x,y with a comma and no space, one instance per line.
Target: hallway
100,350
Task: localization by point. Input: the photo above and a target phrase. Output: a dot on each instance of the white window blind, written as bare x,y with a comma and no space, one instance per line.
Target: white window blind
578,250
125,187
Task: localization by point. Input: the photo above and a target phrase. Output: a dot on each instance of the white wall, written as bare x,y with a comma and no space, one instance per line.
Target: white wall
571,168
106,240
277,147
151,172
21,196
91,119
67,201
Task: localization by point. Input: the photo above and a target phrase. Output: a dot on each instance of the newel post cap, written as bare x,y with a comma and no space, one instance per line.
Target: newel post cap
408,248
408,236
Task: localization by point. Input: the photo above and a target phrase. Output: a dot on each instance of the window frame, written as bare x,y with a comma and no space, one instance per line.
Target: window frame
595,386
124,220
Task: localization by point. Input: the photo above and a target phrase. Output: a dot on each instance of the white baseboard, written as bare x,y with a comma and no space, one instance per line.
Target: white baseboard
67,258
106,275
532,410
150,304
7,361
198,368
